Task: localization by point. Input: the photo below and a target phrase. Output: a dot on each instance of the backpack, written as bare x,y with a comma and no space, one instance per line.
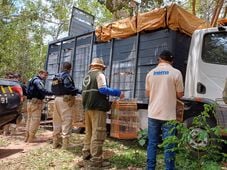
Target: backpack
57,86
30,88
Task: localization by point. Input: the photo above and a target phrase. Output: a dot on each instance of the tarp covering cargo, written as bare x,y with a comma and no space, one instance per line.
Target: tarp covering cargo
222,21
173,17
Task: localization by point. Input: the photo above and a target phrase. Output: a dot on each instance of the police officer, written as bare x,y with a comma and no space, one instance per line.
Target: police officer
36,92
95,102
65,92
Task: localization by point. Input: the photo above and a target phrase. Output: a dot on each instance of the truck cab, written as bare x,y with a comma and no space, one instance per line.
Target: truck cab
207,64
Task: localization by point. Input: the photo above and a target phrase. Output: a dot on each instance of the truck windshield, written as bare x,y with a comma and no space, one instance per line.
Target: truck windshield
215,48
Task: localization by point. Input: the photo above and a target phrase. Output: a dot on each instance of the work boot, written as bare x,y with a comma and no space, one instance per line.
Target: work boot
56,142
105,164
80,164
65,143
26,137
86,155
31,138
97,165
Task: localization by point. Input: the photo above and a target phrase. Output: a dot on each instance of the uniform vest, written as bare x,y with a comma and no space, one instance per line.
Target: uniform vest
92,99
33,91
58,86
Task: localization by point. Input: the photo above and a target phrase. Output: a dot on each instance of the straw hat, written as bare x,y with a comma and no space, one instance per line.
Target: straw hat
98,62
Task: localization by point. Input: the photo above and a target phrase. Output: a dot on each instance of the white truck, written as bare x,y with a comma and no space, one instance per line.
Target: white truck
202,59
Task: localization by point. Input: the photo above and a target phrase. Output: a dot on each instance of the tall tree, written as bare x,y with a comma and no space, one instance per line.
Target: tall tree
26,27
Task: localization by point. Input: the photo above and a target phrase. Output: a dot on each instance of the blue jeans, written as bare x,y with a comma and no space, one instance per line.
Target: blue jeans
155,127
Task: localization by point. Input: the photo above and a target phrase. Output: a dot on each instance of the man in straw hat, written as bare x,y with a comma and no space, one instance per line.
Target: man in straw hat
95,102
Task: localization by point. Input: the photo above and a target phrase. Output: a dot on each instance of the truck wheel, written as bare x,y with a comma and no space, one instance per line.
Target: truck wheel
195,143
19,119
79,130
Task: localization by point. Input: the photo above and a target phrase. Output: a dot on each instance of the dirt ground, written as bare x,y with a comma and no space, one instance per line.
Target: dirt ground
16,147
13,148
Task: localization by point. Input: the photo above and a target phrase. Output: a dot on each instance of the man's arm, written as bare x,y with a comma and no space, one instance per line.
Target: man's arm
147,93
179,86
147,87
109,91
69,85
103,89
40,86
180,94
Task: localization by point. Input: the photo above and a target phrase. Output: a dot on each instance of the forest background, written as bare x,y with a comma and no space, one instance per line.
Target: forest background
28,25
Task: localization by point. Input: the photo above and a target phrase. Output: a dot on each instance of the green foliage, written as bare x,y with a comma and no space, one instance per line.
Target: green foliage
143,137
21,42
26,26
197,158
201,157
101,13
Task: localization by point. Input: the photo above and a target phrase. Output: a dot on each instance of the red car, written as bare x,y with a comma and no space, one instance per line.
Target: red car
11,96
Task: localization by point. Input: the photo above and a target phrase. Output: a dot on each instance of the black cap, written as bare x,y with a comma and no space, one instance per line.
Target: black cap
166,55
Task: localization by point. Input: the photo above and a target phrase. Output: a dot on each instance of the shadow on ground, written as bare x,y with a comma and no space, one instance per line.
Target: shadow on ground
8,152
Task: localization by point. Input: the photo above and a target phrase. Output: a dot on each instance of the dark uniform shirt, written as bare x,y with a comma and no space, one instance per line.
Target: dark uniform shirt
39,90
68,85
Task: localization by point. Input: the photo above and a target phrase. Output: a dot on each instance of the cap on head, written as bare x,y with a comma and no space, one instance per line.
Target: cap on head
166,55
98,62
67,66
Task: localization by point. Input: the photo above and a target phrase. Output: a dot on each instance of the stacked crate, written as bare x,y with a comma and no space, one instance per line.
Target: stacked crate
78,113
124,120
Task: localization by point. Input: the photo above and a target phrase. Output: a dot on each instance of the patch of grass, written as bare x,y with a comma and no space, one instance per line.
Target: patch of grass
130,158
121,153
47,157
43,158
127,153
3,142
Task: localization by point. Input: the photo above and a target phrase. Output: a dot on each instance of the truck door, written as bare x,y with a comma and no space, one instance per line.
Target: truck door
82,58
212,66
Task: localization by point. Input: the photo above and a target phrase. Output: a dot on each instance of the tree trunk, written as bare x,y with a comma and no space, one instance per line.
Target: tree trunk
216,12
193,7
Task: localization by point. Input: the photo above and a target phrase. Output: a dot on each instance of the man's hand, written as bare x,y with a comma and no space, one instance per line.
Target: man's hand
122,95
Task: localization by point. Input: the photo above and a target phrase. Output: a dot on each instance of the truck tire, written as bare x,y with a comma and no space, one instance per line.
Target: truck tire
79,130
19,119
196,145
